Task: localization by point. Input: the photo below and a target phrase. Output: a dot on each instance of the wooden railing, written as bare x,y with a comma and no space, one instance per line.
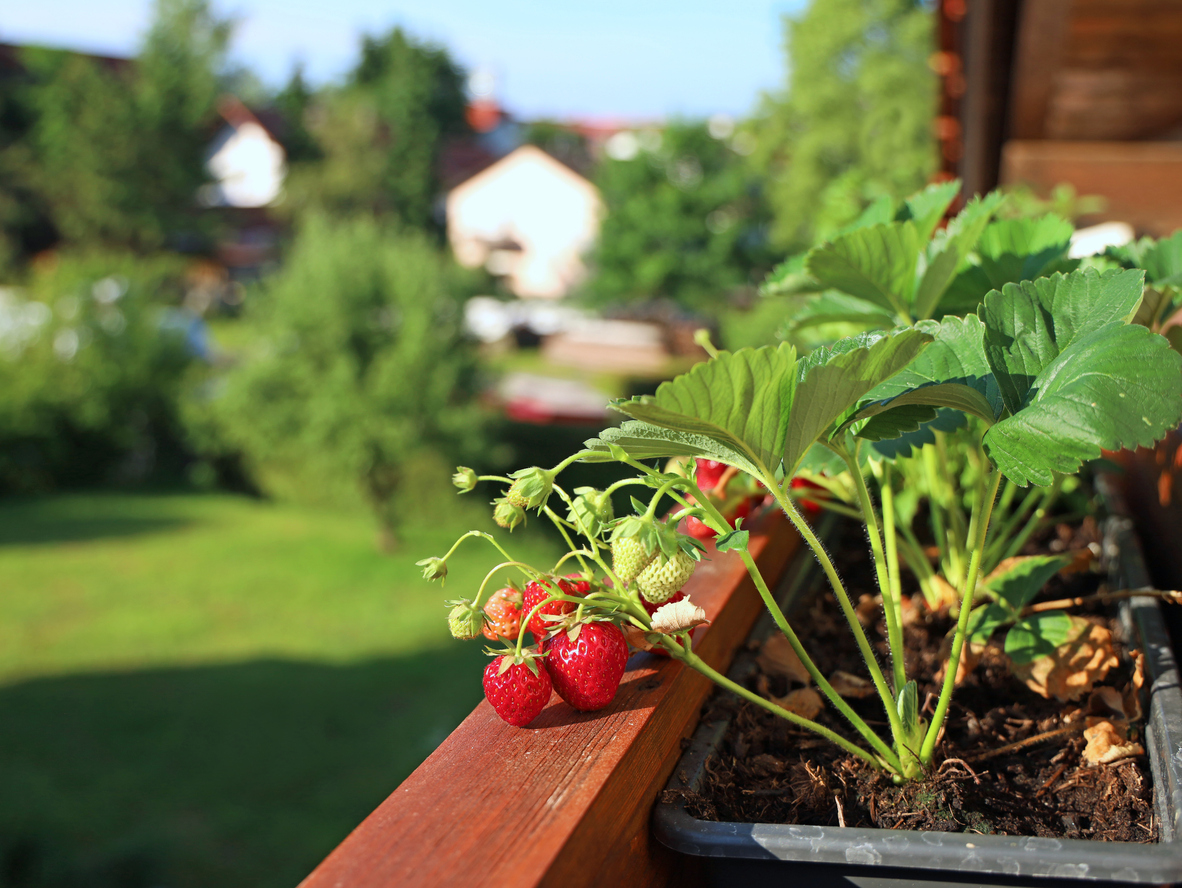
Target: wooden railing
567,800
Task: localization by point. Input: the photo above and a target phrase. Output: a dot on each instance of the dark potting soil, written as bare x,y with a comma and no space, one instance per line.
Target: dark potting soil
1009,762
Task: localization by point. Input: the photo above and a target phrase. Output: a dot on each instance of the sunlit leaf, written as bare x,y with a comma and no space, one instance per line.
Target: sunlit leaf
926,208
1039,635
1120,386
876,264
1029,324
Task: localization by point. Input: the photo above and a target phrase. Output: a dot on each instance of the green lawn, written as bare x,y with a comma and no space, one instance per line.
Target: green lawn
212,690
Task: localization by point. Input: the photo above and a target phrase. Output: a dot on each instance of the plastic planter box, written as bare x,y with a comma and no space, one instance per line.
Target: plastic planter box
753,854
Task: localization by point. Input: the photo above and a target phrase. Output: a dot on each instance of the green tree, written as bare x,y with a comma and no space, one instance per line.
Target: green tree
855,121
360,365
685,221
382,133
117,152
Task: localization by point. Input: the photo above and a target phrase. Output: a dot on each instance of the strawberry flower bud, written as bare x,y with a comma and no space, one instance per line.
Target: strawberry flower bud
464,479
531,488
507,515
433,568
465,621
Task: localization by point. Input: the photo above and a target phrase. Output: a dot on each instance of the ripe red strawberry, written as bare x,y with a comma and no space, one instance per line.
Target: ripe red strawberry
699,530
653,608
810,508
536,593
517,691
708,472
503,614
586,669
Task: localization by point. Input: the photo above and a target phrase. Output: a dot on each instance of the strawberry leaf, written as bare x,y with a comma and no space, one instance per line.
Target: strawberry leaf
1028,325
1120,386
876,264
1039,635
948,253
926,208
737,539
733,408
1017,582
837,378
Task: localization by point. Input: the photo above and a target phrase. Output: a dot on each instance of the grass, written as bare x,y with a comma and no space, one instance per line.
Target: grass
212,690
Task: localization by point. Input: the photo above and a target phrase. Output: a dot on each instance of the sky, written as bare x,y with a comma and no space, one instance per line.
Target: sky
638,59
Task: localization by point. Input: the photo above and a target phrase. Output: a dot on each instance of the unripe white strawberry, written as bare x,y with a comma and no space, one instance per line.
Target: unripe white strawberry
664,577
629,557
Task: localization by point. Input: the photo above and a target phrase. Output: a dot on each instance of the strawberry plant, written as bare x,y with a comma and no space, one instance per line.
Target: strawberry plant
1044,372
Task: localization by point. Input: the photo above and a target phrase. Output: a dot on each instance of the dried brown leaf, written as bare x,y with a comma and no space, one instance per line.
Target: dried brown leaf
777,658
804,702
677,616
1107,743
1075,667
1131,699
970,655
852,686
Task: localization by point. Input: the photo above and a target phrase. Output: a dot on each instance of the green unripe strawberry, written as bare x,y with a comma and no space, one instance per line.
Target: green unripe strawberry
630,556
465,621
664,577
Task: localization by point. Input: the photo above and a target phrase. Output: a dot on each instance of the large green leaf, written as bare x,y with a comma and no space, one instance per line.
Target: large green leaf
833,306
1029,324
1009,251
1119,386
926,208
835,380
1161,259
876,264
739,401
951,372
949,252
946,420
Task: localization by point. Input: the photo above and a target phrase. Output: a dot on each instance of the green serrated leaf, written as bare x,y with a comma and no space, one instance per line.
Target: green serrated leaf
736,539
837,379
789,278
926,208
952,372
1120,386
1039,635
876,264
833,306
946,420
880,211
1028,325
951,251
643,441
738,401
1008,251
1016,582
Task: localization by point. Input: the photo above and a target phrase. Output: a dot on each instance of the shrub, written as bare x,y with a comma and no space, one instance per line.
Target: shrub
91,361
358,367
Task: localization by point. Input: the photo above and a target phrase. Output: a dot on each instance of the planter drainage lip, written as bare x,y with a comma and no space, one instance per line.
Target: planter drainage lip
953,856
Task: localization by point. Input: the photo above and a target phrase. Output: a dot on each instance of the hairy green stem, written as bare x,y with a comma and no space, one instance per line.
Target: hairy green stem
843,599
982,511
894,629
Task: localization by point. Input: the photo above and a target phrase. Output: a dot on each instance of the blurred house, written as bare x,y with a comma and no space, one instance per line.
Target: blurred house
528,219
1087,92
246,162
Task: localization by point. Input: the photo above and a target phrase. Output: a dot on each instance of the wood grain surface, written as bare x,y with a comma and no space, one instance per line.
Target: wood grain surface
567,800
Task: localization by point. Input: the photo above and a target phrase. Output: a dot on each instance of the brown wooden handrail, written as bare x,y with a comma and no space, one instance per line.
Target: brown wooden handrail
567,800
